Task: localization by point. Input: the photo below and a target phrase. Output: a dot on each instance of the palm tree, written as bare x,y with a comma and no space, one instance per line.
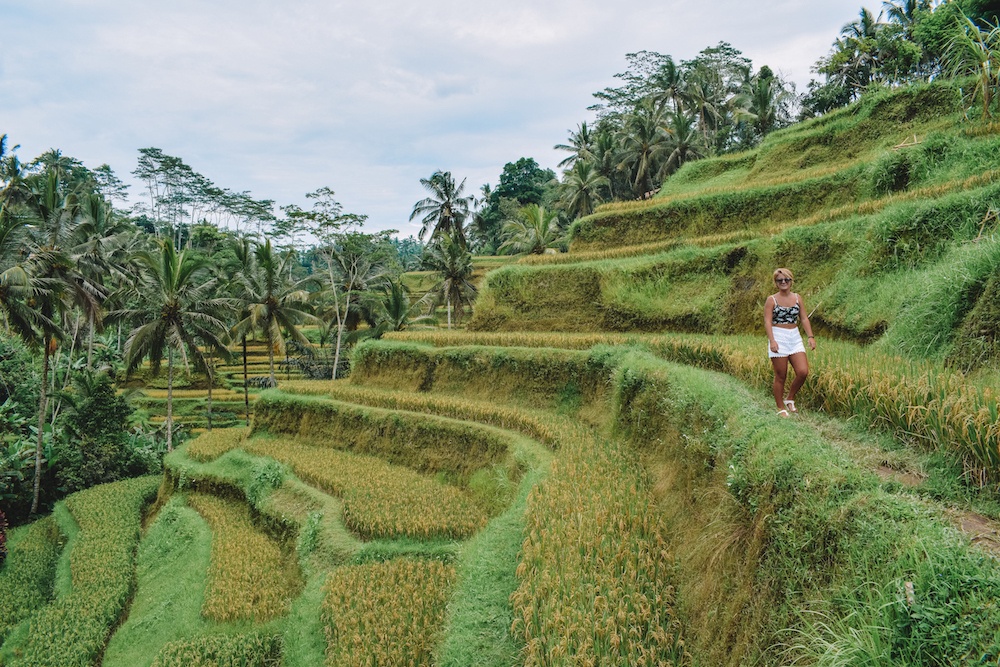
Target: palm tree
453,263
642,143
176,311
534,230
905,13
580,191
683,143
272,304
445,211
17,289
242,271
350,271
59,284
580,146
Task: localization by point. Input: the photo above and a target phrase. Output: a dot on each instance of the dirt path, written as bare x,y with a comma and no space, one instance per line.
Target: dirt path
899,466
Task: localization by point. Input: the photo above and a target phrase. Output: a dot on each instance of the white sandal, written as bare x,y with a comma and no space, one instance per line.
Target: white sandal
783,414
790,406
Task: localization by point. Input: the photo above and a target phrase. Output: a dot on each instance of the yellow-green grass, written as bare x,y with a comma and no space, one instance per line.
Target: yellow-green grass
425,443
380,500
250,577
220,395
386,613
251,649
211,445
541,425
543,380
72,630
919,401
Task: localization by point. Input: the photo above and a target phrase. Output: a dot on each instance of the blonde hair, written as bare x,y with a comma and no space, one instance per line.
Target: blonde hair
786,272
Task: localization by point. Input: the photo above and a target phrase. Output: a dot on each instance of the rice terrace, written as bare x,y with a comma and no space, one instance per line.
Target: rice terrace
540,433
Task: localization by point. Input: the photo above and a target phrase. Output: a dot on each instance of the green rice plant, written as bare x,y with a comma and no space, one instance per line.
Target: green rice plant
386,613
210,445
249,577
595,570
380,500
537,424
72,630
251,649
27,576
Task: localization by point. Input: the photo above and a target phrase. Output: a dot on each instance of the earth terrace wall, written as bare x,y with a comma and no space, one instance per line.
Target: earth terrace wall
773,527
425,443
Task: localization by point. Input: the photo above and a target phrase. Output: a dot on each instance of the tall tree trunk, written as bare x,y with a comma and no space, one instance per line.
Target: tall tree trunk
270,360
208,372
341,321
170,399
246,388
90,343
41,426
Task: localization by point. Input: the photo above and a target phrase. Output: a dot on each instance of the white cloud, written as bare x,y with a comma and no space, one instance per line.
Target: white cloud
366,98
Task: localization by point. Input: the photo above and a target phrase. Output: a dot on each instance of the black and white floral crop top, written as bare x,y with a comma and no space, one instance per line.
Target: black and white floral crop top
785,314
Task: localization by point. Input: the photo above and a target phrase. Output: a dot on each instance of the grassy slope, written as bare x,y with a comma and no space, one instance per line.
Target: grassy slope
889,244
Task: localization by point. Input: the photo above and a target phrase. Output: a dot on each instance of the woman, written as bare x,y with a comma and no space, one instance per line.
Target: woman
782,312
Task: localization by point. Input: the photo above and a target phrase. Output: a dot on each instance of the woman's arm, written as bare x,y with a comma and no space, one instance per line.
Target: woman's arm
768,328
805,323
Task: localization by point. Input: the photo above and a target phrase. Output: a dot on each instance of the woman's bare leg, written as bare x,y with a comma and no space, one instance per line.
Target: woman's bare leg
801,367
780,373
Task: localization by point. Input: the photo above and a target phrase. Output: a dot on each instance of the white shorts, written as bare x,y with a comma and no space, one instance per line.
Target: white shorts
789,342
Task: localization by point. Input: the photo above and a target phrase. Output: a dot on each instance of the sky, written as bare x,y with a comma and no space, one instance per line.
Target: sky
366,98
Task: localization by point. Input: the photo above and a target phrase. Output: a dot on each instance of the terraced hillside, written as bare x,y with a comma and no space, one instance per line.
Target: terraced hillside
586,491
886,210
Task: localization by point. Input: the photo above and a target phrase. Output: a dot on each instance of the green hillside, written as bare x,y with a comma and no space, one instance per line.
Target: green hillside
886,211
594,475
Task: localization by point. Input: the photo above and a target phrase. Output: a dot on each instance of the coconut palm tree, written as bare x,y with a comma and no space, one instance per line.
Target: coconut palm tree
271,303
60,286
534,230
17,289
683,143
445,211
176,312
453,263
580,191
350,272
580,146
642,144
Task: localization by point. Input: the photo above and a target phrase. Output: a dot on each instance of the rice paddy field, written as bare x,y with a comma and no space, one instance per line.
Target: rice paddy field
594,474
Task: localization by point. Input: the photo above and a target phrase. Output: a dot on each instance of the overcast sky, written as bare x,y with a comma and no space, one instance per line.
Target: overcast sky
281,98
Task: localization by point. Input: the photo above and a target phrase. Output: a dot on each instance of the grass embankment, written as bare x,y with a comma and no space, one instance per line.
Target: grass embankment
785,548
28,576
933,407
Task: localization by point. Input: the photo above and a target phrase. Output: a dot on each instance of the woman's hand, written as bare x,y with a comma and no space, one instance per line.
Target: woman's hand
812,343
774,346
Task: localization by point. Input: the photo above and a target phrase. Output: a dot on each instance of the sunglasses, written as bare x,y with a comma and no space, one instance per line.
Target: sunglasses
782,281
